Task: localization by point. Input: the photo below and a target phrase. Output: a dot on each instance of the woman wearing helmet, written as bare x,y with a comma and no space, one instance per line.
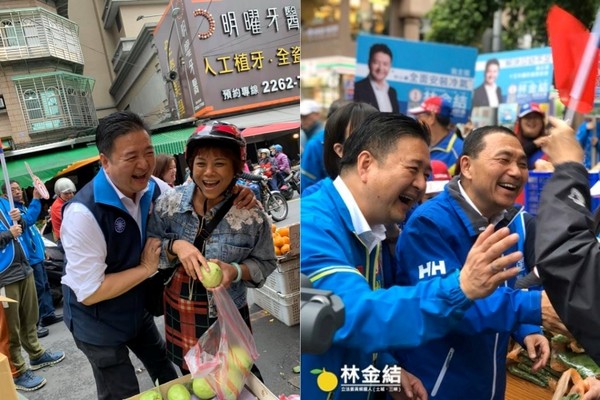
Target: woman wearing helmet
265,162
64,188
240,243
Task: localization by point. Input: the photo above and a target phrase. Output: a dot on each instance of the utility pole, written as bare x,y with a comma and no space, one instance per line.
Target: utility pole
497,30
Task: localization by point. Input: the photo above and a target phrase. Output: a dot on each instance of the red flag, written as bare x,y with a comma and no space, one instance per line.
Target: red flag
568,39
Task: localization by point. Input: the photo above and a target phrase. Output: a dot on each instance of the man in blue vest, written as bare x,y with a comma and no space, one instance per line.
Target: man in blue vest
383,174
109,257
469,362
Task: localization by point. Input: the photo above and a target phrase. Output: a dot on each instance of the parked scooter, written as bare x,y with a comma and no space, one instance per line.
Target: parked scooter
54,266
272,200
291,183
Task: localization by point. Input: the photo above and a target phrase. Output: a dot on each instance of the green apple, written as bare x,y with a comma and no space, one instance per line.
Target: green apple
151,395
213,277
202,389
178,392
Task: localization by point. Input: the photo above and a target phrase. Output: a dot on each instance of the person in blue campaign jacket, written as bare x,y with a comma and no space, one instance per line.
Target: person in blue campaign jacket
446,144
36,249
383,173
469,362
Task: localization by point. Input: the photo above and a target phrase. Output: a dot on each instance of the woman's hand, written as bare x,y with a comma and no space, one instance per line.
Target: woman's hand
245,198
190,257
229,272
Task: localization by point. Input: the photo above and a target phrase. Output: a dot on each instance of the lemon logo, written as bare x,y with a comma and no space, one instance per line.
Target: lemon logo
326,381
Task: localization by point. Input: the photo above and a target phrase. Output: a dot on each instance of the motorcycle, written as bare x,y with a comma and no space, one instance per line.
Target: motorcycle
290,183
54,266
272,201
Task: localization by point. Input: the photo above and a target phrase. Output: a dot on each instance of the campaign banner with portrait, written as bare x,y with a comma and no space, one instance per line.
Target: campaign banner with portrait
520,76
412,71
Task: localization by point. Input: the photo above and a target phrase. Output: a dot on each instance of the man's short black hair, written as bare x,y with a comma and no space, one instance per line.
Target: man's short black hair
115,125
379,48
474,143
378,135
492,61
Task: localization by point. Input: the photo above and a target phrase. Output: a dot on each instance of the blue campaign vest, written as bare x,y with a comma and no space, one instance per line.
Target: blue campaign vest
114,321
7,254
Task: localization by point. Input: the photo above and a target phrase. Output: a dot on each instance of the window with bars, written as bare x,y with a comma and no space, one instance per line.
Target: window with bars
56,101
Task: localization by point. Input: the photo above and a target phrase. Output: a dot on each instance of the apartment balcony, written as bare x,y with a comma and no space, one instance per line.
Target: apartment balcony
59,102
35,33
110,15
121,53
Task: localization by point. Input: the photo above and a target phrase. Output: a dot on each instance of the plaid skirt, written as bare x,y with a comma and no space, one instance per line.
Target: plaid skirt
187,315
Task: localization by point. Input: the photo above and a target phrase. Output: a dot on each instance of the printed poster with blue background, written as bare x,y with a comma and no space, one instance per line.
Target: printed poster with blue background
524,75
423,69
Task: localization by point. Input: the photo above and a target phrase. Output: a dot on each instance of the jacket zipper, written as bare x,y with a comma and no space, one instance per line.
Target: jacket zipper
440,378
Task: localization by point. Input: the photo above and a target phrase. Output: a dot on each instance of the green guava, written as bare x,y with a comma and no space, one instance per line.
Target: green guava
178,392
213,277
202,389
151,395
239,357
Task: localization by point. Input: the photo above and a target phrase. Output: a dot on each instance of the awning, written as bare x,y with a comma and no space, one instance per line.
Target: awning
172,142
283,127
47,166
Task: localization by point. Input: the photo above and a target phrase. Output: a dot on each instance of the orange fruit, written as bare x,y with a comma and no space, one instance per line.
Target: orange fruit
273,228
278,241
277,251
285,248
285,231
286,240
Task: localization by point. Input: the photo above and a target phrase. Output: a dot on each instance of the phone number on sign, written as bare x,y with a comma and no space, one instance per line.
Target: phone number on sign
270,86
276,85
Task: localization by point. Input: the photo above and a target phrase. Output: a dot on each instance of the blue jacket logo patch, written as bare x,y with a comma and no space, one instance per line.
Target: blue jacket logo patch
119,225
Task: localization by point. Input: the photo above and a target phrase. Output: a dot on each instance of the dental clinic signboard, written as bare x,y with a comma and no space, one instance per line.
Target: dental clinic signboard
228,56
421,69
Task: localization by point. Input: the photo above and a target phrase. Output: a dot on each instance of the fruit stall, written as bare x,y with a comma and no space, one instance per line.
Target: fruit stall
280,295
183,389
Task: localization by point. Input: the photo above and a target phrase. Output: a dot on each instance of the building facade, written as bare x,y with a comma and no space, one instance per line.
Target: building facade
44,96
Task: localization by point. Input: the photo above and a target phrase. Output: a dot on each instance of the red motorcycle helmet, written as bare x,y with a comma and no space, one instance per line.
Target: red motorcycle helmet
211,133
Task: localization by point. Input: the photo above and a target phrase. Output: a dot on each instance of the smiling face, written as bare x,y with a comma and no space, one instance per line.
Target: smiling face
532,125
495,177
379,66
398,181
130,163
213,171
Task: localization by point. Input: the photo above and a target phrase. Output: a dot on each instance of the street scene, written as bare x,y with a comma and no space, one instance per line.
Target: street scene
122,112
277,344
427,122
333,199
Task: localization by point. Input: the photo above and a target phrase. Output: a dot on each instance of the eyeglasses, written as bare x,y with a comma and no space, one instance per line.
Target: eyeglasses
68,193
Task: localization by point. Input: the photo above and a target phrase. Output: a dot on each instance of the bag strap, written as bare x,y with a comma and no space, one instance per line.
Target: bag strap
209,227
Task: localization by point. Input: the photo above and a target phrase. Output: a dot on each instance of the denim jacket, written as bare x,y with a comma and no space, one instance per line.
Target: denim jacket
242,236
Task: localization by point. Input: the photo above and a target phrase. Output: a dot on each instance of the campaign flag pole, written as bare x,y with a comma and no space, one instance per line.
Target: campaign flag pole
584,69
6,178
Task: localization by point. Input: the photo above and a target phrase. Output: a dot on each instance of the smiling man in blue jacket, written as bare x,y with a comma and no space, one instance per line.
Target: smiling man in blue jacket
383,174
469,362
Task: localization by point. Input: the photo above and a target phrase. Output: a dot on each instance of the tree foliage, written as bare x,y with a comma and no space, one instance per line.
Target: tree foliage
465,21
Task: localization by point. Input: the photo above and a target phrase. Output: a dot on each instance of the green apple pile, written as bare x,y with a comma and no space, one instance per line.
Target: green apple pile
212,278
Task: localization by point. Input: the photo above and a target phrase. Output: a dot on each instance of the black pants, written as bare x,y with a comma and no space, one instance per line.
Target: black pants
113,371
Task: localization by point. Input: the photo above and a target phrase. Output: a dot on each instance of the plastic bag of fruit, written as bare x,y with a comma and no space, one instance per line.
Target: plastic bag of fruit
223,356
